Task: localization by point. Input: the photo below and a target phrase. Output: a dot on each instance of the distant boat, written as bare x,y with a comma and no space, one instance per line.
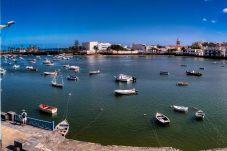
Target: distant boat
202,68
164,73
55,83
2,71
66,65
199,115
72,77
31,68
50,64
125,78
194,73
94,72
50,73
62,128
48,109
182,83
46,61
180,108
183,65
75,68
16,66
161,118
125,92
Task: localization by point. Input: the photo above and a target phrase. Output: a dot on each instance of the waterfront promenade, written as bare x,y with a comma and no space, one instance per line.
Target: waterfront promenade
37,139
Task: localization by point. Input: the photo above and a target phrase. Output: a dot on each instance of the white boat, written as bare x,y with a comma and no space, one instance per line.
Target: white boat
125,78
62,128
180,83
125,92
2,71
94,72
31,68
46,61
50,64
199,115
16,66
75,68
180,108
55,83
162,118
50,73
72,77
66,65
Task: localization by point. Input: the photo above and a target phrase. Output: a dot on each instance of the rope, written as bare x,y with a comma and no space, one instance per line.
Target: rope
154,132
65,115
90,123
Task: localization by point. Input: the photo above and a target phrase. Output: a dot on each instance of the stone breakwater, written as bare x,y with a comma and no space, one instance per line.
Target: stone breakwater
36,139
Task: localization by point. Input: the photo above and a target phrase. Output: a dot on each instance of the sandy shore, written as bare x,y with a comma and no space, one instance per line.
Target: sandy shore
44,140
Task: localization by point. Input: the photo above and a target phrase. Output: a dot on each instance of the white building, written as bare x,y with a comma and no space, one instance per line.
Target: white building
90,46
103,46
215,51
195,52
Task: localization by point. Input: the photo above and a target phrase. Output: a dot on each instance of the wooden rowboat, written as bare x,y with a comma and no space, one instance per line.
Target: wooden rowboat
48,109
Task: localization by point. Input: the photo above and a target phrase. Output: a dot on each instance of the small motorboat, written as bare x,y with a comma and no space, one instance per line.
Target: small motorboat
202,68
48,109
16,66
194,73
72,77
31,68
94,72
199,115
180,108
75,68
182,83
50,73
164,73
46,61
66,65
183,65
50,64
62,128
2,71
161,118
125,92
125,78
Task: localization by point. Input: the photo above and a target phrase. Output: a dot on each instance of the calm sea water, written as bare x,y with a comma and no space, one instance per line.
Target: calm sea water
122,120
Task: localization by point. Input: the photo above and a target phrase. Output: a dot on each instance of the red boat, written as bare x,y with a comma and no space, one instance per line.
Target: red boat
48,109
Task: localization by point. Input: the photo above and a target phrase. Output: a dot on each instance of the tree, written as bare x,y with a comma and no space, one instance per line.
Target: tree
116,47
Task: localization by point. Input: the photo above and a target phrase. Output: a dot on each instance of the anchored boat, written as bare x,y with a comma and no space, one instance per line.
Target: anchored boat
48,109
50,73
72,77
180,108
161,118
55,83
62,127
125,78
94,72
164,73
126,92
194,73
182,83
199,115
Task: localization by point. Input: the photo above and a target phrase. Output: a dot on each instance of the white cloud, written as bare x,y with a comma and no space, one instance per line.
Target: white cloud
204,19
224,10
213,21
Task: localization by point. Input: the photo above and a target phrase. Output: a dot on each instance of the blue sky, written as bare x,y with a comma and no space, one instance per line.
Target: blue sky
58,23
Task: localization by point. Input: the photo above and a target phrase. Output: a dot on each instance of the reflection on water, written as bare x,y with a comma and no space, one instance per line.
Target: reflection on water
97,115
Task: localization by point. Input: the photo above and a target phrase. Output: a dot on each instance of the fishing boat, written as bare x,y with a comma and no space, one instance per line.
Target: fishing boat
2,71
72,77
125,78
194,73
161,118
55,83
164,73
125,92
94,72
16,66
199,115
182,83
180,108
62,128
48,109
50,73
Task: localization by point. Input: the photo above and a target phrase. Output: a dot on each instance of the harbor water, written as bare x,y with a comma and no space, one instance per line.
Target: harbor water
96,115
